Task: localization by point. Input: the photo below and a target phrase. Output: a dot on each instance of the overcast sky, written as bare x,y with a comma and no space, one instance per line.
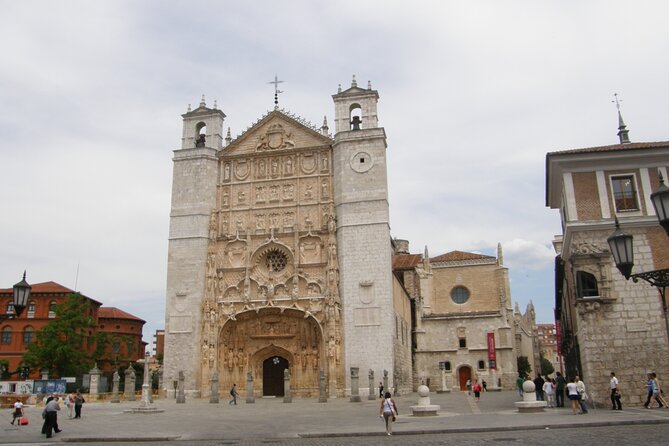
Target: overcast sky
472,96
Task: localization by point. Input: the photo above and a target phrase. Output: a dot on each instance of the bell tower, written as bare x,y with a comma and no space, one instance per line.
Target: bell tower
363,231
194,181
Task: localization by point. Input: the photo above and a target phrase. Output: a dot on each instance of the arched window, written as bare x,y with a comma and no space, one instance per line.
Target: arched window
52,309
200,132
586,284
355,116
28,335
7,335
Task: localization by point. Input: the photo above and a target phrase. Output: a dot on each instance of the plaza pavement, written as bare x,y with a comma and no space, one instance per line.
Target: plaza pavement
271,418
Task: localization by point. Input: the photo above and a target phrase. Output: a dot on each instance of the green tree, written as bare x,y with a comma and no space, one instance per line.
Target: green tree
546,366
63,345
524,367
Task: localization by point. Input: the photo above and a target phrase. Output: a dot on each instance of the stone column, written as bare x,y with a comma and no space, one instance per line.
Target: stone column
396,383
287,397
146,386
94,388
385,381
214,387
355,385
129,384
444,387
372,394
322,398
115,382
181,395
250,399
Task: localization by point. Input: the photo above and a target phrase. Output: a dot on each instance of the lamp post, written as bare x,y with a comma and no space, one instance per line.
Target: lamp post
621,245
21,296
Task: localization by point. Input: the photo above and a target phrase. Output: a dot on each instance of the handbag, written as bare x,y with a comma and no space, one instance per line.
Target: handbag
23,421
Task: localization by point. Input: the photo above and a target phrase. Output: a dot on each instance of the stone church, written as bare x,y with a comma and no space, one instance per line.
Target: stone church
280,255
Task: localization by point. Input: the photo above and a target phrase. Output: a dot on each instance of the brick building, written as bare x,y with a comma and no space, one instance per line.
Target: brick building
547,344
608,323
17,333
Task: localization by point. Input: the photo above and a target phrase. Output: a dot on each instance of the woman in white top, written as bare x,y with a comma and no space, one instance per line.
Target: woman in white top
572,393
548,391
388,410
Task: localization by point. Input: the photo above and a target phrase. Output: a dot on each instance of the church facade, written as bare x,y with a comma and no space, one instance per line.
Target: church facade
280,255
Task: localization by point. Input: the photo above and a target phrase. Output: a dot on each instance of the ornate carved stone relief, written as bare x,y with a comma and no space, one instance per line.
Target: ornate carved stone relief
275,138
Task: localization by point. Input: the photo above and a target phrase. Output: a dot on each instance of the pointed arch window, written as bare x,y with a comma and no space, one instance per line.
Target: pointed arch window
586,285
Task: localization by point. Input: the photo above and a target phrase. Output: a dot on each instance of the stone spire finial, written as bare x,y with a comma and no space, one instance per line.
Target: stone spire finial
354,83
324,127
426,260
623,133
228,137
188,111
215,104
339,89
369,85
500,256
202,102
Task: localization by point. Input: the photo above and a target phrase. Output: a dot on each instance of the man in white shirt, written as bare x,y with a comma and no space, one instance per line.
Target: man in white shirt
615,393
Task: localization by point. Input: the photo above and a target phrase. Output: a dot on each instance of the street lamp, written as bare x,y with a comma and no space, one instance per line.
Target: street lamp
620,244
21,296
660,199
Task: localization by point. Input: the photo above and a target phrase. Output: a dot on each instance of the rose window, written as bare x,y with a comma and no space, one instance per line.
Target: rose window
276,261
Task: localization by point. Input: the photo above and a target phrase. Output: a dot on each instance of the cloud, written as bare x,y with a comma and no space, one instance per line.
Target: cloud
527,254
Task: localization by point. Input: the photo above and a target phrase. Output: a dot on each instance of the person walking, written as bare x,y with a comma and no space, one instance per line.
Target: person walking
549,392
388,411
653,391
380,389
18,411
477,390
50,415
582,396
468,385
78,402
560,384
233,394
572,394
615,393
69,404
660,396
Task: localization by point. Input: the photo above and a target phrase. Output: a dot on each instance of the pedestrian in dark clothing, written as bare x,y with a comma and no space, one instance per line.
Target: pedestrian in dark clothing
233,394
78,402
560,384
50,415
539,387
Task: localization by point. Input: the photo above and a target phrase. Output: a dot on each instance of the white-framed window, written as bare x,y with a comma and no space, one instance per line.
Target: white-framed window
625,192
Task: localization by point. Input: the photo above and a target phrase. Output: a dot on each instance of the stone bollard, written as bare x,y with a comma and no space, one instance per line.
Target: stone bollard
115,384
214,387
181,395
355,385
424,408
530,403
250,399
322,398
372,394
287,397
385,381
129,390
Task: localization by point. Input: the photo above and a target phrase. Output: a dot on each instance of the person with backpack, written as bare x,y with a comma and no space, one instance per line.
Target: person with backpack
233,394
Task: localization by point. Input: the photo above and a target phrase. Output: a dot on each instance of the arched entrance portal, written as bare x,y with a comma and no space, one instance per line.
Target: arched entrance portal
464,374
272,375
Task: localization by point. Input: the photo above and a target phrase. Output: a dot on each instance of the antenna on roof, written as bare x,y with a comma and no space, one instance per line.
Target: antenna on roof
76,279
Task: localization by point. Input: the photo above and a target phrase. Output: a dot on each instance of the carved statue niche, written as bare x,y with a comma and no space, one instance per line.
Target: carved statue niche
235,253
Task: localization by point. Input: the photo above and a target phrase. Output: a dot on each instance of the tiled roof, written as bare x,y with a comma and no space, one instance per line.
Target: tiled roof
406,261
115,313
615,147
455,256
49,288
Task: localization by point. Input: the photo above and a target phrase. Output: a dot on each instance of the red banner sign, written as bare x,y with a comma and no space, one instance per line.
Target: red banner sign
492,355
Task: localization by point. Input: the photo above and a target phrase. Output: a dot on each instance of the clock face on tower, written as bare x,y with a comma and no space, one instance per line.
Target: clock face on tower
362,162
